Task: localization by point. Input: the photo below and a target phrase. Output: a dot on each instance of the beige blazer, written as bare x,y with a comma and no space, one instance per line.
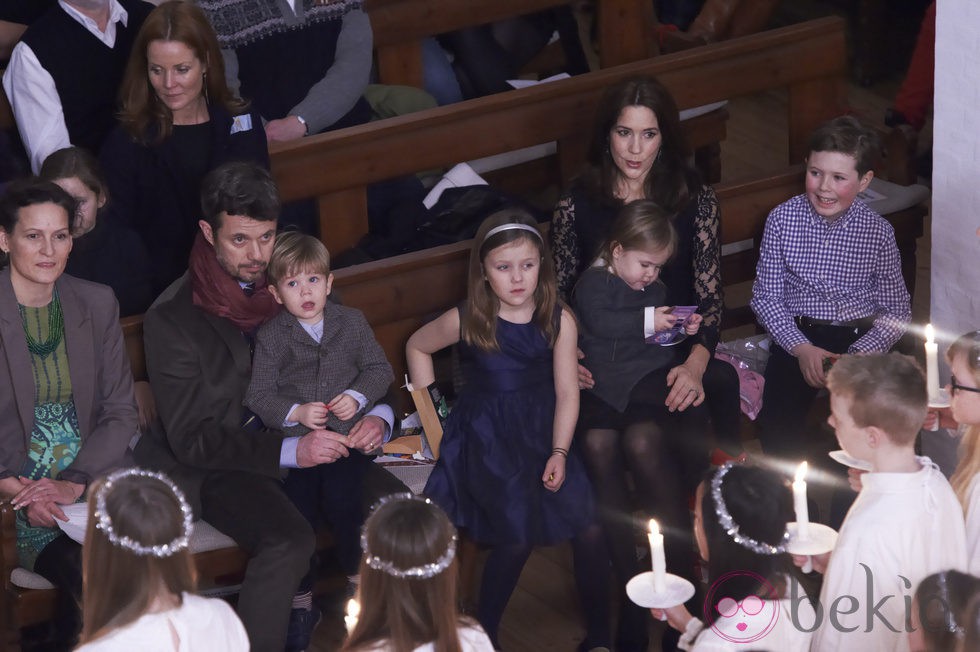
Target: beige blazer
101,378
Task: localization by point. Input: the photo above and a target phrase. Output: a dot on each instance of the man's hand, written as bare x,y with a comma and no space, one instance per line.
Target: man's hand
811,359
367,434
312,415
320,447
585,379
344,406
288,128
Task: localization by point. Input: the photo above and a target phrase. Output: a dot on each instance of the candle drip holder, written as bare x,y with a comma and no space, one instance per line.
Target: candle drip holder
942,399
820,538
641,591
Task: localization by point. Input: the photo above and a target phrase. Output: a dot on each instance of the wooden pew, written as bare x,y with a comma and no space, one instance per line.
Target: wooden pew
335,168
625,29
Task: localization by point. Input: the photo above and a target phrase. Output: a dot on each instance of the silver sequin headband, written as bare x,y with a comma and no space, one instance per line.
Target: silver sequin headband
105,521
423,572
731,527
513,225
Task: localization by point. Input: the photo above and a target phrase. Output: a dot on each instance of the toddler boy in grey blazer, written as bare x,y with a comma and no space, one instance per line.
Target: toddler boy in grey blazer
316,364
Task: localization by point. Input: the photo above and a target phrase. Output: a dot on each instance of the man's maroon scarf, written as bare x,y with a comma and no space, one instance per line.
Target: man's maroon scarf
217,292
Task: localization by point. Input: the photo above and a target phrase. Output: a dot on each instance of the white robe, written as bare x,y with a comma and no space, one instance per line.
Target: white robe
973,525
200,624
777,628
471,639
901,528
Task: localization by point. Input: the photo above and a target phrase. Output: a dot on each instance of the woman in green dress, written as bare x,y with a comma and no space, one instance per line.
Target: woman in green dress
69,415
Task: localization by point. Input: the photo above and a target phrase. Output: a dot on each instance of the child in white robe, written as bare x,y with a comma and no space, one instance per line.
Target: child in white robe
740,526
964,361
905,523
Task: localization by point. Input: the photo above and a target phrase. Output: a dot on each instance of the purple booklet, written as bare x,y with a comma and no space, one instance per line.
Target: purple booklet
674,335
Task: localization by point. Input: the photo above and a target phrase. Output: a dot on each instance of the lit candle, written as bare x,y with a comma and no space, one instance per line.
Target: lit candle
799,503
353,611
657,556
932,363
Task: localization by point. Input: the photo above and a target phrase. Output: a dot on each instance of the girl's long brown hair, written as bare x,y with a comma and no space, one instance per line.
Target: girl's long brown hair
400,612
968,346
144,117
118,585
478,321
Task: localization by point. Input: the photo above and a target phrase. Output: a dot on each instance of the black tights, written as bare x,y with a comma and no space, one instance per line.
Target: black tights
660,491
503,570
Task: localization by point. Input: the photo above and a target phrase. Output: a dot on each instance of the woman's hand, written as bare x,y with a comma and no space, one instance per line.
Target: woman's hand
44,514
145,403
685,387
554,472
677,617
585,379
61,492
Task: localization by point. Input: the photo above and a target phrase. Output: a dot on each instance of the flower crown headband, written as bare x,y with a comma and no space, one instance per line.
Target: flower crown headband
422,572
160,550
731,527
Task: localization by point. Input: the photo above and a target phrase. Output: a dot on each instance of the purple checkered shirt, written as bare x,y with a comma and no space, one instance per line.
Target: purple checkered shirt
840,271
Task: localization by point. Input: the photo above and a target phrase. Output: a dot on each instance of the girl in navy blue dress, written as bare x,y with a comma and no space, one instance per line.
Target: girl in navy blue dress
506,475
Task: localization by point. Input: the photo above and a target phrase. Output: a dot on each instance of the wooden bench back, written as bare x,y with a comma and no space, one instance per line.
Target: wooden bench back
335,168
399,294
399,26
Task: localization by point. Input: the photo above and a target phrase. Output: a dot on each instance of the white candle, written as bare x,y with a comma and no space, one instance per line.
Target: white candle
799,503
657,557
353,611
932,363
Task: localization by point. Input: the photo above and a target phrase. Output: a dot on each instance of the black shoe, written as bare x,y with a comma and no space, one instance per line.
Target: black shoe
302,623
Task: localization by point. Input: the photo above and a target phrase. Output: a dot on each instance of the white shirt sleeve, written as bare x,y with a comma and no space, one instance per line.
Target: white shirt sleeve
973,526
36,104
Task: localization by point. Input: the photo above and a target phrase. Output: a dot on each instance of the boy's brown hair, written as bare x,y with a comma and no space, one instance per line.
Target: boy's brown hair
295,253
847,135
887,391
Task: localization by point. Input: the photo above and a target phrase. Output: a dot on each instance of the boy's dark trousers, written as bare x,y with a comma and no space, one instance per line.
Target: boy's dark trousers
786,398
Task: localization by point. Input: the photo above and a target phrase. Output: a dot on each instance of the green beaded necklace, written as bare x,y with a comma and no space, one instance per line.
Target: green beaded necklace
56,328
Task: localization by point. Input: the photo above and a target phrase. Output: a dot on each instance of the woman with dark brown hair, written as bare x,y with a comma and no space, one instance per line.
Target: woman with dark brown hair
178,121
139,577
639,152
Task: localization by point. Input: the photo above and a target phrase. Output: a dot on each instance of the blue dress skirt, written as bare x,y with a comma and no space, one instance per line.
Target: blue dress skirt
496,443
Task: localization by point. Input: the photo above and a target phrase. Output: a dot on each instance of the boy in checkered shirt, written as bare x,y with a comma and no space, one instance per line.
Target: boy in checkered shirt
828,281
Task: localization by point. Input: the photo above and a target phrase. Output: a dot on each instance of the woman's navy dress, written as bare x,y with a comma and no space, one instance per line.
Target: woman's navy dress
496,443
